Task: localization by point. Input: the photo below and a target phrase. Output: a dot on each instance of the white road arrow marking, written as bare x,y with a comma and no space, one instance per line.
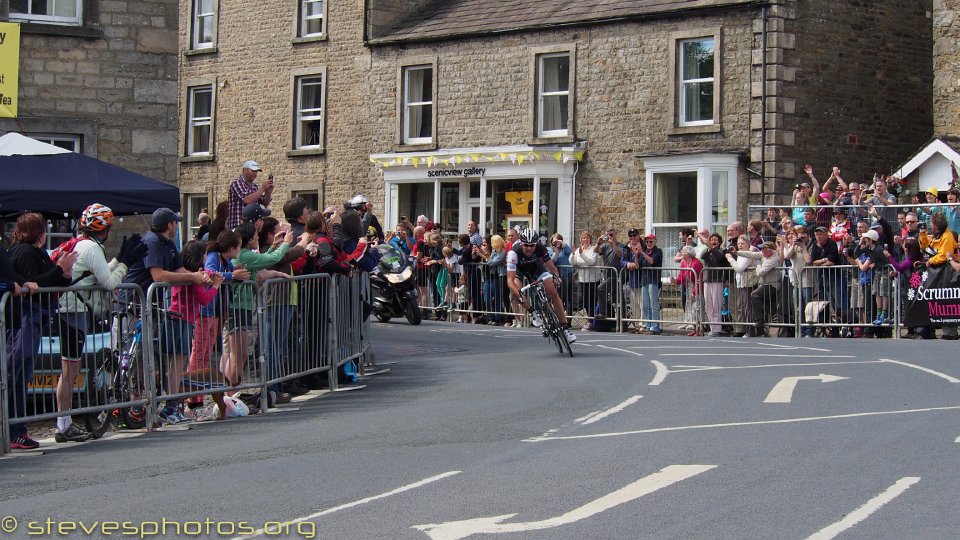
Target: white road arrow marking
454,530
783,391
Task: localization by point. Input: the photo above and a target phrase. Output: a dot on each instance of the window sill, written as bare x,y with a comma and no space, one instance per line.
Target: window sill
196,159
694,130
301,152
415,147
563,139
308,39
199,52
60,30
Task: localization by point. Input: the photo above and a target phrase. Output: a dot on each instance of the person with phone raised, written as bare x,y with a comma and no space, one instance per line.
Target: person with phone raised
244,191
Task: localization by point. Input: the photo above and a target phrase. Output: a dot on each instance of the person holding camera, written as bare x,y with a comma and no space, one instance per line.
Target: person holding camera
244,191
559,252
715,268
610,257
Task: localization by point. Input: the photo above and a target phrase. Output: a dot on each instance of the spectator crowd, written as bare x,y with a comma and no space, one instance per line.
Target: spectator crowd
833,260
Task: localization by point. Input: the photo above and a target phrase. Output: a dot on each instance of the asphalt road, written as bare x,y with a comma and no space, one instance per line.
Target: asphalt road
480,431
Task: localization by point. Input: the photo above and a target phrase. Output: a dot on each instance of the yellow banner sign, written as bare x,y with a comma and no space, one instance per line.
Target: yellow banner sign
9,68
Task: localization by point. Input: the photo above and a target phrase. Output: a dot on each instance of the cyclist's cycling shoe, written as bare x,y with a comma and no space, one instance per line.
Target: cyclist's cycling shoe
72,434
535,319
571,337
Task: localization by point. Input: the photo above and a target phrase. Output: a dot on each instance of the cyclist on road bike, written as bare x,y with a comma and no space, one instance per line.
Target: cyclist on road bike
528,258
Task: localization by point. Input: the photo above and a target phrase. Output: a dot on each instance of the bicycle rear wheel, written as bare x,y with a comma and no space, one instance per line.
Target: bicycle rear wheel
101,392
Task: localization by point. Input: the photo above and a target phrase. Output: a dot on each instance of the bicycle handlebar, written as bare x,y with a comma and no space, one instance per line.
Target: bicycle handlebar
531,284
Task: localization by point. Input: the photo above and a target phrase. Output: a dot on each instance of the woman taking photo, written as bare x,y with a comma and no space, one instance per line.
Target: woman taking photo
32,264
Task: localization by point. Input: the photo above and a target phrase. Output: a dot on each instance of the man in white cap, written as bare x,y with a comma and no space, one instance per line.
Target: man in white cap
244,191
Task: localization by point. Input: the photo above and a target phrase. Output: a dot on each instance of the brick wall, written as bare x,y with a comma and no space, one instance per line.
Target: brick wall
946,67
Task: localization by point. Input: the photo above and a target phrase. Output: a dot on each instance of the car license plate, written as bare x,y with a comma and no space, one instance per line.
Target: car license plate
45,382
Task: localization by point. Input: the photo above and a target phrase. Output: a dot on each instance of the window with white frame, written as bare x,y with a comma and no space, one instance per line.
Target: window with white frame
66,12
203,34
200,120
553,95
312,16
194,204
696,84
65,141
690,191
308,130
418,105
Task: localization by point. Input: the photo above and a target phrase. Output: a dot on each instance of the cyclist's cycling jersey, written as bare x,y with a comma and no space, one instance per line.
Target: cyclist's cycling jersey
531,267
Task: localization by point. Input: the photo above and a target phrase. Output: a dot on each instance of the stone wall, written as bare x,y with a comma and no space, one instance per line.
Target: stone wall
253,63
114,82
622,100
857,91
946,67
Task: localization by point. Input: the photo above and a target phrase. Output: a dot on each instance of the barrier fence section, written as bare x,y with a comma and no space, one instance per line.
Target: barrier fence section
843,301
81,333
660,297
129,364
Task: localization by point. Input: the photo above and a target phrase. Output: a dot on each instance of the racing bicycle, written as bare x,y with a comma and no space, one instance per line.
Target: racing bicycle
541,305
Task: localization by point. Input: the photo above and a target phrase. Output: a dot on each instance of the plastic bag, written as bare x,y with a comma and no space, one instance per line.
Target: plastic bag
235,407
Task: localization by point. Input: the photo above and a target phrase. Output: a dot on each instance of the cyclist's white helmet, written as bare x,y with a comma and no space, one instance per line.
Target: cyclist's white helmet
528,236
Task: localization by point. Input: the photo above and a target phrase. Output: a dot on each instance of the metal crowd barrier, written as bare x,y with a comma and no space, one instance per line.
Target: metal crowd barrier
842,304
662,297
79,327
190,342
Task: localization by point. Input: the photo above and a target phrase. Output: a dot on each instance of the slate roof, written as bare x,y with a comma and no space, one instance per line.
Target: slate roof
455,18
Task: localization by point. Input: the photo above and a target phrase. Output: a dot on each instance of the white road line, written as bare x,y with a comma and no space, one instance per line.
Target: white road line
456,530
714,348
619,349
600,415
740,424
686,369
921,368
635,340
868,508
661,374
775,345
765,355
957,440
399,490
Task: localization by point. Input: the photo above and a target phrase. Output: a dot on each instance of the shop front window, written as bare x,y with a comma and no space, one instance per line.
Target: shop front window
415,200
449,209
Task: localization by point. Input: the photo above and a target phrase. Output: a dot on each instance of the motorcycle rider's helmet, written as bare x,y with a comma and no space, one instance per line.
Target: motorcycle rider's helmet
528,236
358,202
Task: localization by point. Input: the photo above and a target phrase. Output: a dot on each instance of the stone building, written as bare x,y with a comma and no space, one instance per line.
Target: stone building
100,78
634,113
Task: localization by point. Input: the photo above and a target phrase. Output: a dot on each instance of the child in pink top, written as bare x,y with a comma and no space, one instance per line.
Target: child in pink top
184,307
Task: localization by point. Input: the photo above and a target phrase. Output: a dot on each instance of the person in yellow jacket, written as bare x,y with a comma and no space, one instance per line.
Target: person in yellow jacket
939,246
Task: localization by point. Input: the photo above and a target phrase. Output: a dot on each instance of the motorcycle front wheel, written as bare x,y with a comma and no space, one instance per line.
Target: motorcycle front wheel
413,313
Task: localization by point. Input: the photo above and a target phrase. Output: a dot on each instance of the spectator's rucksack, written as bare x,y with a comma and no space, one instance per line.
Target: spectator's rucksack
66,247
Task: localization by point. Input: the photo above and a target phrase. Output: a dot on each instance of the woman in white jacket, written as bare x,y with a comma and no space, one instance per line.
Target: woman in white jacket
746,280
584,259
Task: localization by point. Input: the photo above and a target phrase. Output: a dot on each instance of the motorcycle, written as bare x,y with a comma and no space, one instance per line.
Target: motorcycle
394,287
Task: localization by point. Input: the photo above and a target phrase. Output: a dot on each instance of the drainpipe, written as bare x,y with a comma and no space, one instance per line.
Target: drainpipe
763,107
